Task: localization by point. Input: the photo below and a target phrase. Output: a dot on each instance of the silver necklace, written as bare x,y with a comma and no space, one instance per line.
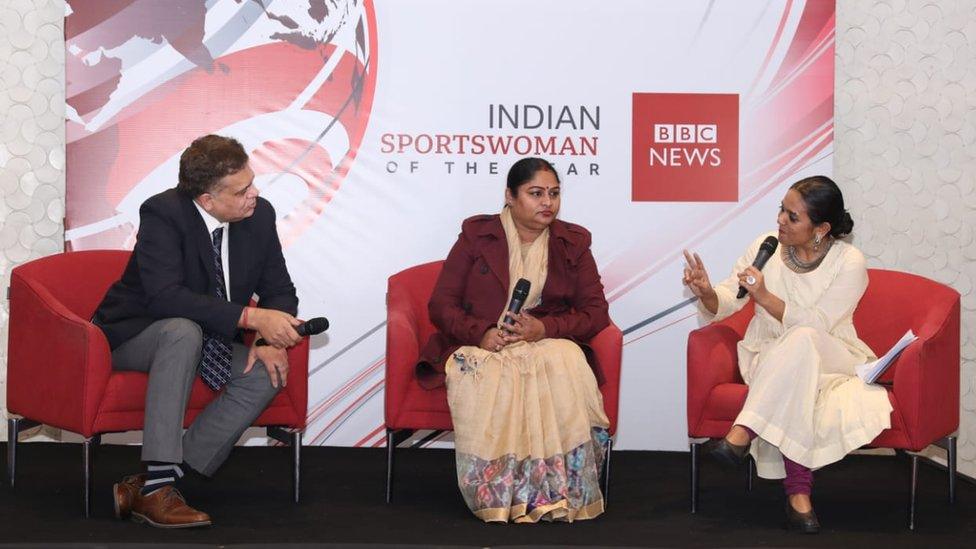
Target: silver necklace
797,265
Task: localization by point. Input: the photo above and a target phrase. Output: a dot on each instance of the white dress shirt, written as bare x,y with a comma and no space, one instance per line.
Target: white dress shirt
212,223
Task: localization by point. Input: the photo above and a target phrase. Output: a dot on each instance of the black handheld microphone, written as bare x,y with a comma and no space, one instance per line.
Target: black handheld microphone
519,295
766,250
310,327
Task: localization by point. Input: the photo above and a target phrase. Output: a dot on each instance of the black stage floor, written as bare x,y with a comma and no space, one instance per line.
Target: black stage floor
861,501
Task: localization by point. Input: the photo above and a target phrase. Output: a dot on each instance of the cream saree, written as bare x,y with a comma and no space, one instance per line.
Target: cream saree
529,424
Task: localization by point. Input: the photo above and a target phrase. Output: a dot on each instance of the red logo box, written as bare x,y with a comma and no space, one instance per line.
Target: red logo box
685,147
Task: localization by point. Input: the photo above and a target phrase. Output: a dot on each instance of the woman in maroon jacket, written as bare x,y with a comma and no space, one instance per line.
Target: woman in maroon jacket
529,424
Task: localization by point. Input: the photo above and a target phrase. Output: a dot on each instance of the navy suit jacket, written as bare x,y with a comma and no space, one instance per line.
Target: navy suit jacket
171,272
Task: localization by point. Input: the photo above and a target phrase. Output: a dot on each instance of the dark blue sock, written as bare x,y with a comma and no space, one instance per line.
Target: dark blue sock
160,474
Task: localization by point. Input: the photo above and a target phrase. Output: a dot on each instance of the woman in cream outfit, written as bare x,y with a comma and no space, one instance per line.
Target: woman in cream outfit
806,408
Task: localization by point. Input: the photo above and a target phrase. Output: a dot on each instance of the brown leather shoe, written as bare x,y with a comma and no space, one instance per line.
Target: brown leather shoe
125,493
166,508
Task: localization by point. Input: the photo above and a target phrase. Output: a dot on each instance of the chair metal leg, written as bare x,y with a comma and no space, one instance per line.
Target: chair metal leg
951,466
88,449
390,448
296,443
911,504
608,448
750,472
695,446
15,426
293,439
12,431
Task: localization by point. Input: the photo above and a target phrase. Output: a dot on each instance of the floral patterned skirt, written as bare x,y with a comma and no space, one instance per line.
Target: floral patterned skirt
530,432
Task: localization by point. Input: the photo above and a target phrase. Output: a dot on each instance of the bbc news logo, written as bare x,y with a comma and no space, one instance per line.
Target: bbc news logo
680,134
685,147
685,133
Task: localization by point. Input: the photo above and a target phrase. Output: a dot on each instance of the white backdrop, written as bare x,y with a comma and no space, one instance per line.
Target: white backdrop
868,31
442,65
442,68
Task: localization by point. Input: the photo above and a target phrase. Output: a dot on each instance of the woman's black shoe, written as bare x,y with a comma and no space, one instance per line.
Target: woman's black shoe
801,522
726,453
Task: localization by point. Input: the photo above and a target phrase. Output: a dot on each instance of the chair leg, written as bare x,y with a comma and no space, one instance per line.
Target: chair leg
87,457
12,432
390,450
15,426
293,439
296,443
695,446
750,472
608,448
911,503
951,466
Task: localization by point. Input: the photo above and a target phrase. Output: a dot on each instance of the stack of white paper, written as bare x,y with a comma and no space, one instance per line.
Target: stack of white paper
872,370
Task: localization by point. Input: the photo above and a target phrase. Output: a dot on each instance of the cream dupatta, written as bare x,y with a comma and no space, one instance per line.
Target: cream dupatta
529,423
525,260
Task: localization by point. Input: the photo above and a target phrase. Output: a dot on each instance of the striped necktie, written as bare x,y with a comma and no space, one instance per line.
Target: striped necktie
216,355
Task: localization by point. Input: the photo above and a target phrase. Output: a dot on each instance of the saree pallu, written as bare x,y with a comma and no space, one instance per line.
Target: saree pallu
530,432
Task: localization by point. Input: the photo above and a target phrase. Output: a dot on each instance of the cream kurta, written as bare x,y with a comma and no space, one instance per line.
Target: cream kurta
805,401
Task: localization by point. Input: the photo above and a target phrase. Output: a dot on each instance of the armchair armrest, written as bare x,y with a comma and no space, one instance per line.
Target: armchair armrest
58,363
402,351
712,361
608,347
926,380
297,388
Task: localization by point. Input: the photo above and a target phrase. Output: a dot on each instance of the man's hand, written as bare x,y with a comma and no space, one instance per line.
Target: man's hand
275,361
275,327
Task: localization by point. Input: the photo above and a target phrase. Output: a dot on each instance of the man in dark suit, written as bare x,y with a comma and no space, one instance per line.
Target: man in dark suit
171,315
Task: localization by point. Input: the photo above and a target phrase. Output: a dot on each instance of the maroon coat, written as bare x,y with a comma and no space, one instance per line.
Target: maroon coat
472,291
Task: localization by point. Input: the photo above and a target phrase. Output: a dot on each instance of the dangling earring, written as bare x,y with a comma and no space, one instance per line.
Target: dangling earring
816,242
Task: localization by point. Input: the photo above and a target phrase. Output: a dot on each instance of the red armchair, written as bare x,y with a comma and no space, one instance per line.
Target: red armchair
59,368
922,384
408,407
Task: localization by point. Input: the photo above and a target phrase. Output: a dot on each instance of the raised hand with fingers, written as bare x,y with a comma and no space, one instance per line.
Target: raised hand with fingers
696,279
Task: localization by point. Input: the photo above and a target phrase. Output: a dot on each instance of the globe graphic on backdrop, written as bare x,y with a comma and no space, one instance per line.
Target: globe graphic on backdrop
293,81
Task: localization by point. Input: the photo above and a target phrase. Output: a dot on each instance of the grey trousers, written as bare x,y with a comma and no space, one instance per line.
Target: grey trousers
169,350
